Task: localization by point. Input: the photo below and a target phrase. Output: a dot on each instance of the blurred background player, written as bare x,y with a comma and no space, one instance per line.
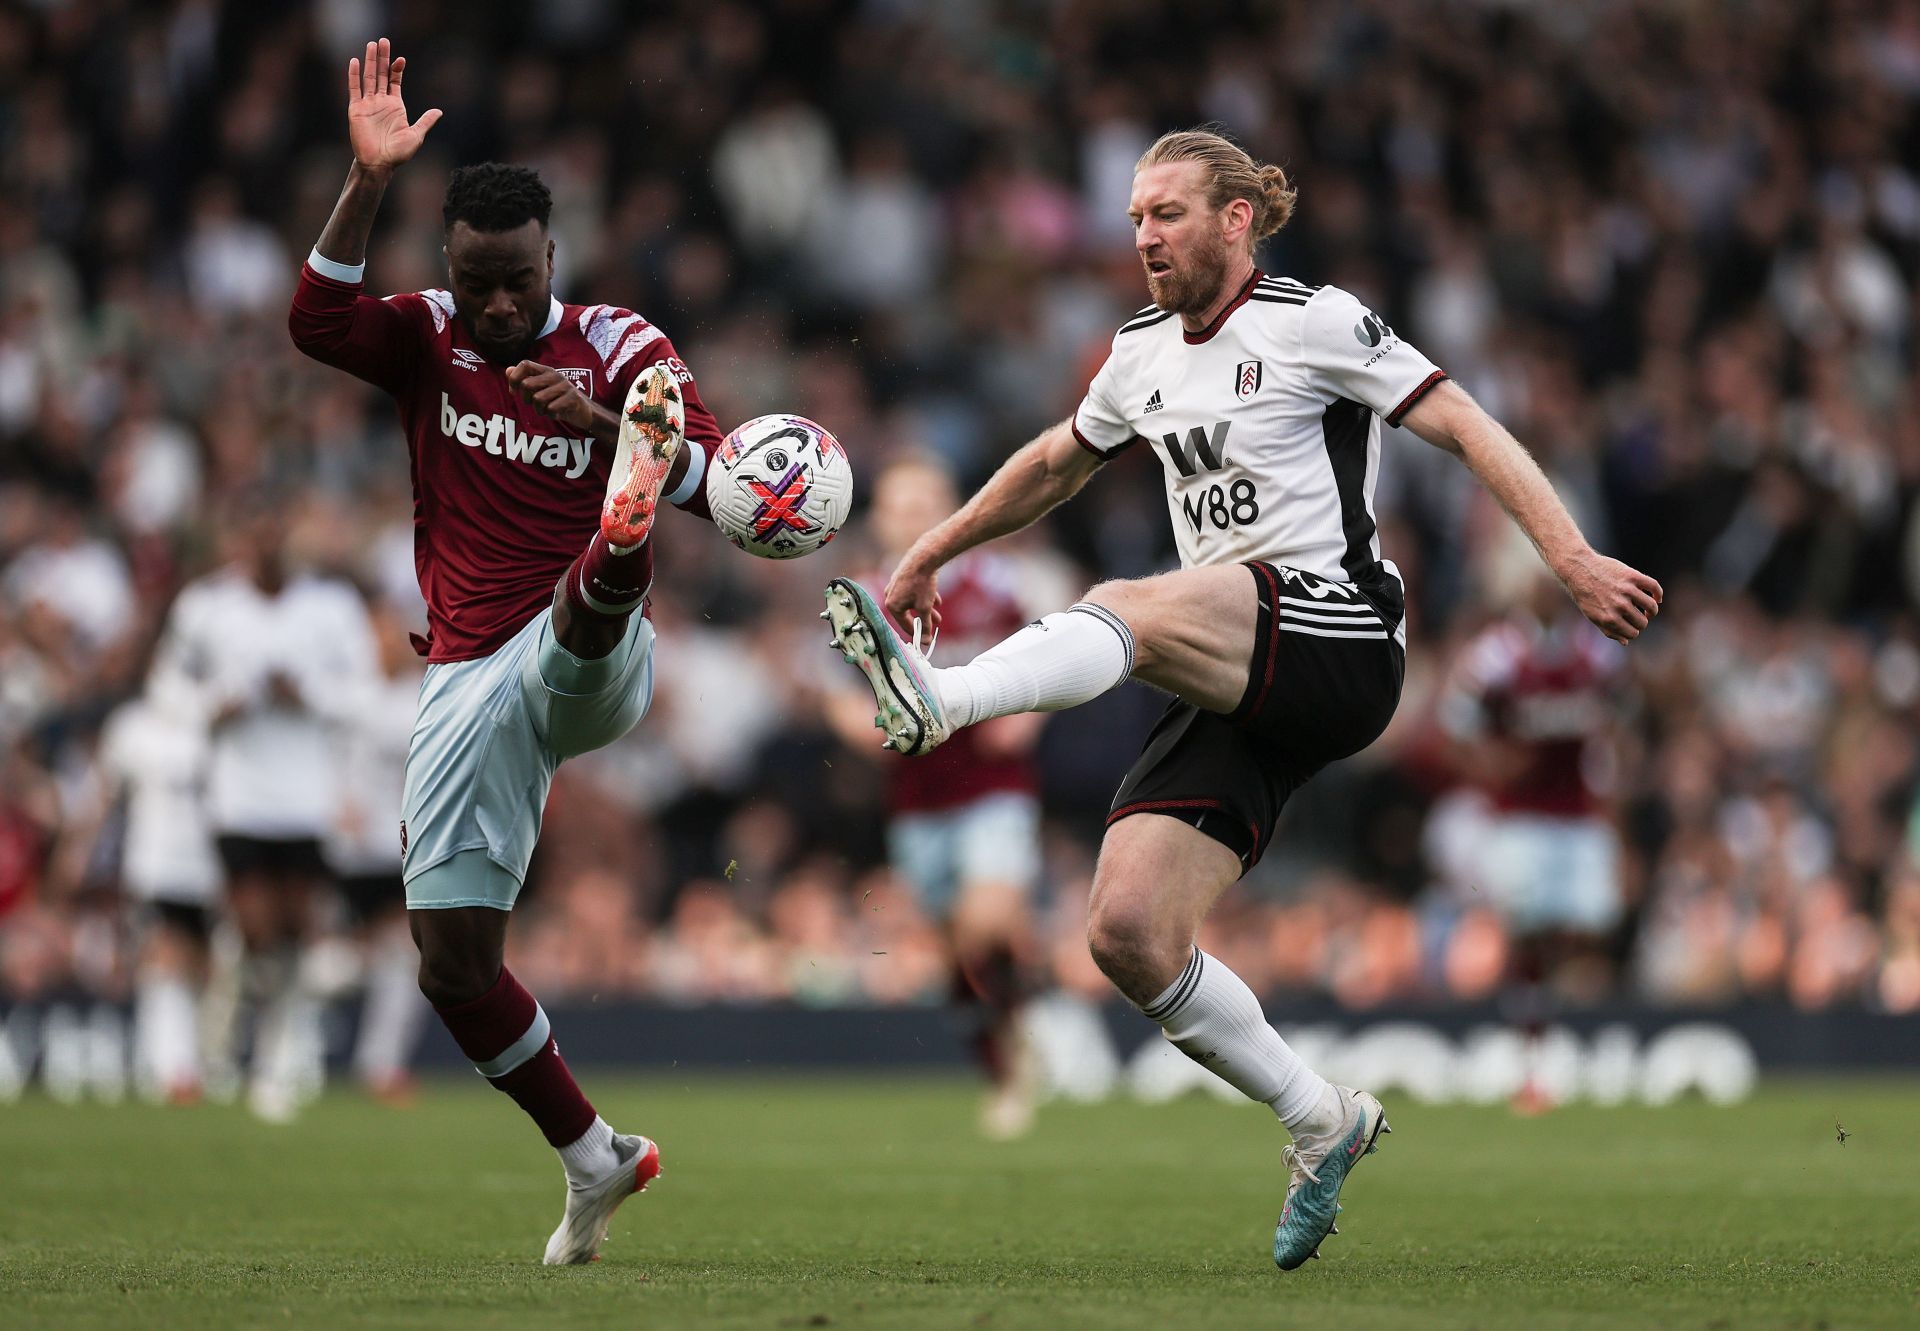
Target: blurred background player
1531,705
152,792
272,662
963,826
363,849
538,649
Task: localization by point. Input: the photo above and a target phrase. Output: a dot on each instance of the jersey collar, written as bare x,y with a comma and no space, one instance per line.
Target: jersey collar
554,311
1206,334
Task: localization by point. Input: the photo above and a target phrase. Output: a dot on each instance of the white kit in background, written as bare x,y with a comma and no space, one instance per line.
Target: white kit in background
157,761
273,776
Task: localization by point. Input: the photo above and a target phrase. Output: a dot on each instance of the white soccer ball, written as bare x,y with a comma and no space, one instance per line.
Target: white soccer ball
780,487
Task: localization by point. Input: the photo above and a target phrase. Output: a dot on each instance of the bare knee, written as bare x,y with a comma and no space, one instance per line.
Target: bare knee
1140,603
459,958
1140,953
1130,598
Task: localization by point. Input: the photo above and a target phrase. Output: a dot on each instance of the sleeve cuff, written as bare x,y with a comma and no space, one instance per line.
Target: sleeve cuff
1425,386
696,472
339,272
1104,454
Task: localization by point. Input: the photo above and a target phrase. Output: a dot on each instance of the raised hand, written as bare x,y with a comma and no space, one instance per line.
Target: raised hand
376,116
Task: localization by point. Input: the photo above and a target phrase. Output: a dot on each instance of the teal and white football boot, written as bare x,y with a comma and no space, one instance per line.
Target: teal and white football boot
910,714
1320,1165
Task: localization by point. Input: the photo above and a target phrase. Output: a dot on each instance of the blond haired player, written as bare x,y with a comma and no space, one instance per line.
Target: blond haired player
1281,635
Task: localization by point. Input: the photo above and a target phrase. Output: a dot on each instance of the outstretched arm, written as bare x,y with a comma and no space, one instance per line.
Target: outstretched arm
331,320
1042,475
382,141
1620,600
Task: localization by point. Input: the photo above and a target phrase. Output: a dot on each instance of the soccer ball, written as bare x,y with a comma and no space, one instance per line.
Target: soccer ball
780,487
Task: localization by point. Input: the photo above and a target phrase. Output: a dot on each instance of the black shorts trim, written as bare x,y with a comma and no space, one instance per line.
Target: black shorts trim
1323,679
278,856
370,894
187,917
1210,816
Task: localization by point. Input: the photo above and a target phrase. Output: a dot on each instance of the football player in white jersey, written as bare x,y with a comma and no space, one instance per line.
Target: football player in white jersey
1281,634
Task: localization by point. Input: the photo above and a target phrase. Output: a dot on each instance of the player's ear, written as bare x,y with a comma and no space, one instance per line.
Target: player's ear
549,259
1235,218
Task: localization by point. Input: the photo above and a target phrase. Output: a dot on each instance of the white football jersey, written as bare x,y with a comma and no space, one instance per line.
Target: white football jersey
1267,424
273,769
160,760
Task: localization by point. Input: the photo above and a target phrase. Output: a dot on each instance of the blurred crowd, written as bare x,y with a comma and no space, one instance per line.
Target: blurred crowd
1674,246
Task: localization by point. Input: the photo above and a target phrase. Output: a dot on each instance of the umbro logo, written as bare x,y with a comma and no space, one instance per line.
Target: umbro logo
468,360
1153,403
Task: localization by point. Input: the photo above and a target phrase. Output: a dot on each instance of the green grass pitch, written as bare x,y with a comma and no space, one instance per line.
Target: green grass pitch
869,1203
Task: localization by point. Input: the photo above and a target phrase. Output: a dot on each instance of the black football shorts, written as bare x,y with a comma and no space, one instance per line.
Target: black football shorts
1322,683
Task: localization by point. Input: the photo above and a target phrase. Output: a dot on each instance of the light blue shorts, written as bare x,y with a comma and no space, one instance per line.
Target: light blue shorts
489,735
995,839
1547,873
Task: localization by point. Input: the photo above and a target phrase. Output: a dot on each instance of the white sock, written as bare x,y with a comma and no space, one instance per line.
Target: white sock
394,1012
1214,1019
592,1156
166,1035
1069,657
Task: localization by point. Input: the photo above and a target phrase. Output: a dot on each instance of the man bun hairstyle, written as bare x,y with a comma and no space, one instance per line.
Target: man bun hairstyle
493,196
1231,174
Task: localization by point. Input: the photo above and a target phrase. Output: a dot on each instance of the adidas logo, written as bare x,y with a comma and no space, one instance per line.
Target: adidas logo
1153,403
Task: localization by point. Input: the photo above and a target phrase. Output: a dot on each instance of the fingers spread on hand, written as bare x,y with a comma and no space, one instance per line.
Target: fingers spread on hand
386,62
353,81
370,70
399,68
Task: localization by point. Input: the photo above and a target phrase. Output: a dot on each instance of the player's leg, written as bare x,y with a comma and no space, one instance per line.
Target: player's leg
258,977
996,846
1186,632
1157,878
976,892
166,1021
392,1012
489,736
459,921
1196,811
609,581
288,1065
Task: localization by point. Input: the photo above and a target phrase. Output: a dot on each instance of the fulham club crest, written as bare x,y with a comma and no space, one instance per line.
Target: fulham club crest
1246,379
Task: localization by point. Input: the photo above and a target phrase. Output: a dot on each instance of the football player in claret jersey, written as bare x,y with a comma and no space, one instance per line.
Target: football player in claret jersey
542,438
1280,636
963,827
1530,705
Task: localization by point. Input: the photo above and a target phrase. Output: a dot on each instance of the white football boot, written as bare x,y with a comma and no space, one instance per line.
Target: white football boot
653,426
900,676
590,1207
